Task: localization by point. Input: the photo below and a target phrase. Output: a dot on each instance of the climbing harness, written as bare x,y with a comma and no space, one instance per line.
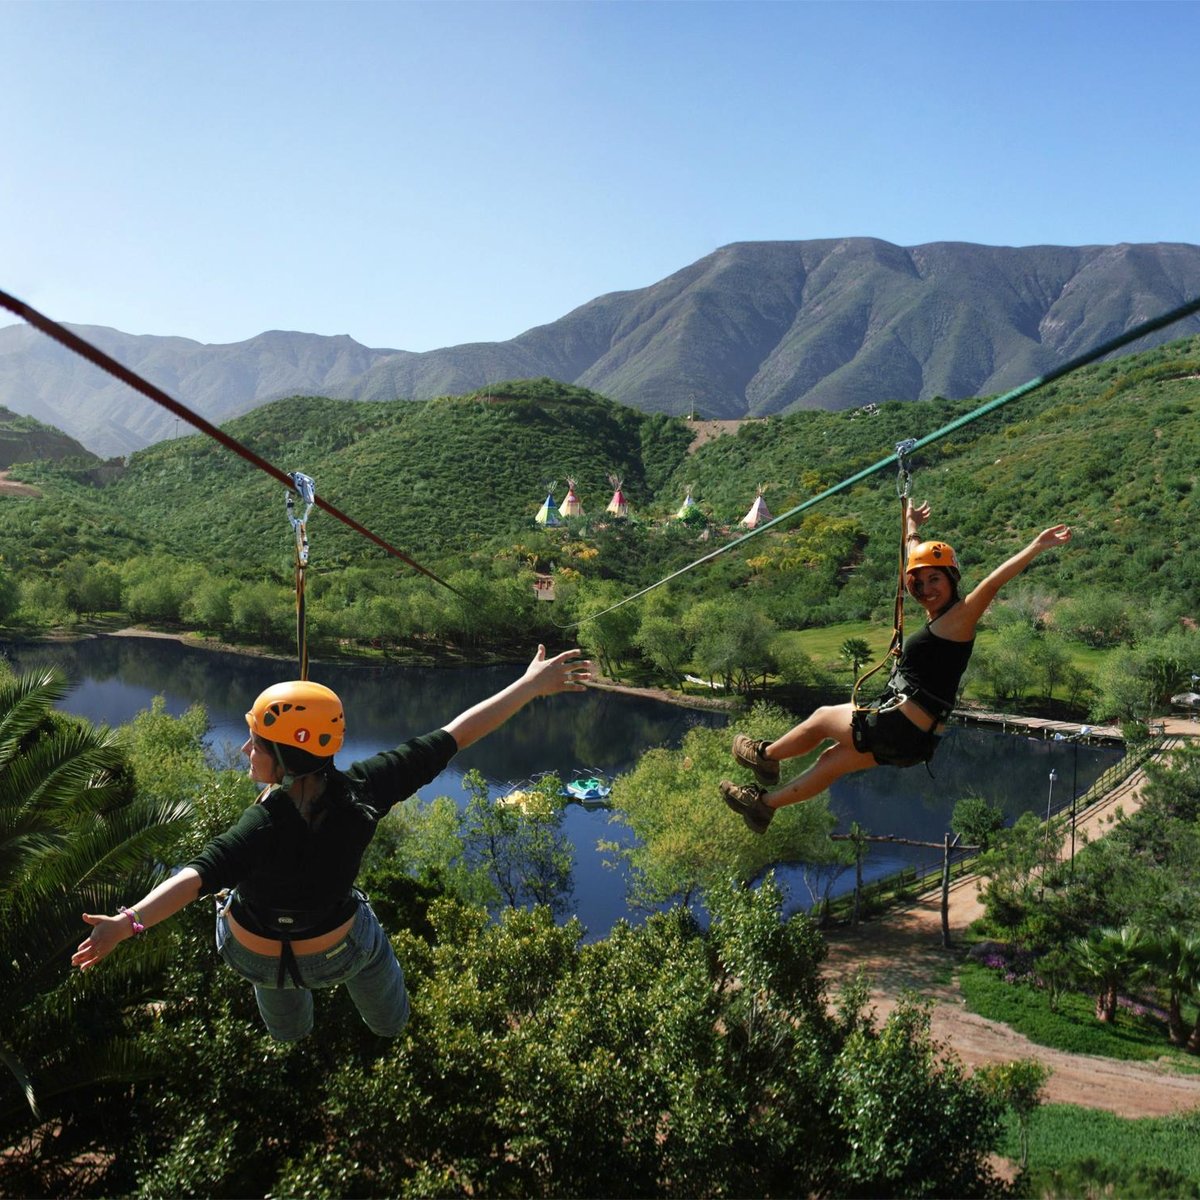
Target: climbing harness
872,725
305,491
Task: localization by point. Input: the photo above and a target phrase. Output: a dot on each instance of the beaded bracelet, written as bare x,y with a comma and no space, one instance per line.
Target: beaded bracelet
132,914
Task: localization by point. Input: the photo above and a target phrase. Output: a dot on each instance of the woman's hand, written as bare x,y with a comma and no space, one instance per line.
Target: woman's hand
918,514
565,672
1056,535
107,933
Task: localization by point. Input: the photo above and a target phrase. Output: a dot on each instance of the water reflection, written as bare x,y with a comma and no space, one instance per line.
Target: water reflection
114,678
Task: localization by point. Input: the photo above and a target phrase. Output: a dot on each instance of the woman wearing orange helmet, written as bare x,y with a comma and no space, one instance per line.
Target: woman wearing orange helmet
907,726
293,920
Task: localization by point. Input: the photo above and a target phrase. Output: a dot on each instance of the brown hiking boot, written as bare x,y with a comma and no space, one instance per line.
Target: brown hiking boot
753,755
747,801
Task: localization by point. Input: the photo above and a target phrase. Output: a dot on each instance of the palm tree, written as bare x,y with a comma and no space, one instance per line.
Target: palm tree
74,837
1174,958
1111,959
855,651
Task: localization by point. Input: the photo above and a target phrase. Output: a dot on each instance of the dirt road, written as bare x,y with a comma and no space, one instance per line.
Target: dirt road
903,950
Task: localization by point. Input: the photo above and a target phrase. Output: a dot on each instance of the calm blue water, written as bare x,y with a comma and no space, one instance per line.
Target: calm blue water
112,679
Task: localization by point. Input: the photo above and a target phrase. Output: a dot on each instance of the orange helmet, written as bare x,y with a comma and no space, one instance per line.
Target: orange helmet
933,554
301,714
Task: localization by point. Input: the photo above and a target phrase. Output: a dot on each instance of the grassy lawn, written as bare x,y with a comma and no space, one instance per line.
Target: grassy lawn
1073,1028
1085,1152
823,645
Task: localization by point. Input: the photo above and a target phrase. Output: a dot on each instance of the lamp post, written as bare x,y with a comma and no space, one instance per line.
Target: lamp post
1084,730
1049,805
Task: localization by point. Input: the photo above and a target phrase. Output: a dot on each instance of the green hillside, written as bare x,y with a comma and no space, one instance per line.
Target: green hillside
22,439
1112,450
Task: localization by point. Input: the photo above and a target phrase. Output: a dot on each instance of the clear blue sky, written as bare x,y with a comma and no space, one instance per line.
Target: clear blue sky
423,174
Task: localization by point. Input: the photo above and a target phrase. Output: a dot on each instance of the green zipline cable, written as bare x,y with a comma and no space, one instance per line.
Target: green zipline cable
1132,335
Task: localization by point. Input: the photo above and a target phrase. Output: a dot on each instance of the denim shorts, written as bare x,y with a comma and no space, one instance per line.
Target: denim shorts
363,960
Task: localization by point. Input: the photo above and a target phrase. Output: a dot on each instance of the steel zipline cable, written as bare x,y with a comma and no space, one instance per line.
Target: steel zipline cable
106,363
910,447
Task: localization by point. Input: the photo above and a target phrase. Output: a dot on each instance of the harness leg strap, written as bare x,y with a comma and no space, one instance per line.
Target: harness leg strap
288,966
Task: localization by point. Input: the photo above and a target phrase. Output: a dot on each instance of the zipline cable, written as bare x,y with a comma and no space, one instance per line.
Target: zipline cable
1082,360
106,363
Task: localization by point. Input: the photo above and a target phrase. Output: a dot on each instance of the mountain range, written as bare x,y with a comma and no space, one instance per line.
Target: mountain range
752,329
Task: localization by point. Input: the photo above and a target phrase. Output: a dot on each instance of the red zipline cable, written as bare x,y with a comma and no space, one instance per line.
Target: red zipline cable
94,355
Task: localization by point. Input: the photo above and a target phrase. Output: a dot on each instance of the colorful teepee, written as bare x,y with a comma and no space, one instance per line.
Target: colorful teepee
759,513
570,507
687,505
548,514
617,505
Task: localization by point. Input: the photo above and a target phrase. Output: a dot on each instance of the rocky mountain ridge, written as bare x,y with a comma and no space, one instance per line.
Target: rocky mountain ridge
751,329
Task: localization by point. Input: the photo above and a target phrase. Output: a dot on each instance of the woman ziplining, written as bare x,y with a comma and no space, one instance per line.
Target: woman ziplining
293,919
904,727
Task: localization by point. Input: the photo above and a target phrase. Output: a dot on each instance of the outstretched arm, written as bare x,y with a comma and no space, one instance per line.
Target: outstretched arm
565,672
915,515
979,599
109,932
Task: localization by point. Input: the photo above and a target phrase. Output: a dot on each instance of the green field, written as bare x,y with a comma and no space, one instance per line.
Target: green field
1085,1152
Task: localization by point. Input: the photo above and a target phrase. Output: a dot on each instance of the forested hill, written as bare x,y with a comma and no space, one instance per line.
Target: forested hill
1113,449
23,439
752,329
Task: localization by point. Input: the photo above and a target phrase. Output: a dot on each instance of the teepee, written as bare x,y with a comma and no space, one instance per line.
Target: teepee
617,505
759,513
548,514
570,507
687,505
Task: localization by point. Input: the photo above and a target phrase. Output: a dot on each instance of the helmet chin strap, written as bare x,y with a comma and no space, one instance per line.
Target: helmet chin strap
287,778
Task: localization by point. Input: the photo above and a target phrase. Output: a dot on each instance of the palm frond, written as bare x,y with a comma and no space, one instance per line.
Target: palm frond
24,704
13,1063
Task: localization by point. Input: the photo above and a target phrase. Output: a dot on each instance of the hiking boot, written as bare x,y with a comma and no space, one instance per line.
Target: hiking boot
753,755
747,800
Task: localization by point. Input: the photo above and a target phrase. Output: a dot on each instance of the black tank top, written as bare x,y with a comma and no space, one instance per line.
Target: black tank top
935,664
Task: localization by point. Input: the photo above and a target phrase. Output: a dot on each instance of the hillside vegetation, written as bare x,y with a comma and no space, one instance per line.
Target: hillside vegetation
189,536
23,438
1112,449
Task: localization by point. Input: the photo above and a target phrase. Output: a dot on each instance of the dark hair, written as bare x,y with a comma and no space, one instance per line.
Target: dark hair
951,573
295,761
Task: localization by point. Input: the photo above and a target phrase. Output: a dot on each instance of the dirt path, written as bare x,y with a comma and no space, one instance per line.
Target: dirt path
904,951
10,487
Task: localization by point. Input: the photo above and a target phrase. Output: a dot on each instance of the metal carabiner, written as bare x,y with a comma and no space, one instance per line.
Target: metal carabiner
903,473
306,490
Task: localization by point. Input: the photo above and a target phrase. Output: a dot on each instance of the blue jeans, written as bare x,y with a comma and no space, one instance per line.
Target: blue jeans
363,960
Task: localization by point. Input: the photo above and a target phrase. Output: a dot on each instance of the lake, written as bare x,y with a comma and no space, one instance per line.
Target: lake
113,678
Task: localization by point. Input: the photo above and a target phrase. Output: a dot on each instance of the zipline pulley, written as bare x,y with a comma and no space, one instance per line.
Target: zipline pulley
305,491
903,470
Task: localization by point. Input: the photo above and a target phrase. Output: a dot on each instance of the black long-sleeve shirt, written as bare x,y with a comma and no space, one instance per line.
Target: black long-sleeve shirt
295,878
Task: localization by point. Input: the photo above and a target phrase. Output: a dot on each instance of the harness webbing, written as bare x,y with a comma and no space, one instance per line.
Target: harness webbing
903,488
107,363
305,490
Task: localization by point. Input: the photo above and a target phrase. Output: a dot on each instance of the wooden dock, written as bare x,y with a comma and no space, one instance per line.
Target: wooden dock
1040,727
